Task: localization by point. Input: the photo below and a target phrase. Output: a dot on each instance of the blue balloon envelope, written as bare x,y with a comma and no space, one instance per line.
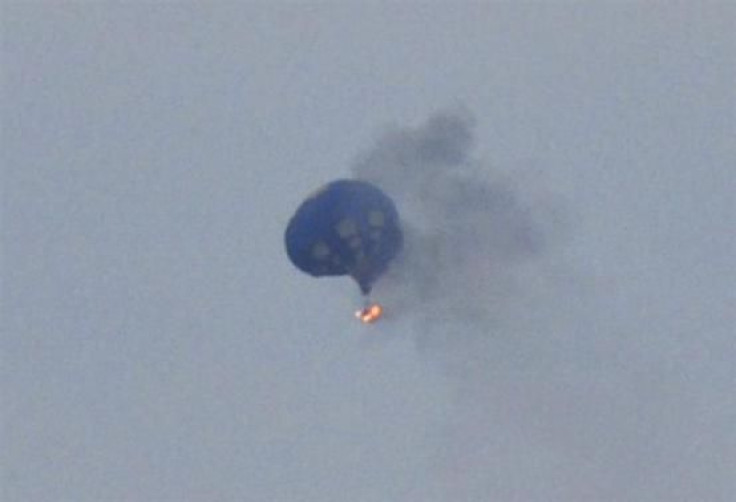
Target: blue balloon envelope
348,227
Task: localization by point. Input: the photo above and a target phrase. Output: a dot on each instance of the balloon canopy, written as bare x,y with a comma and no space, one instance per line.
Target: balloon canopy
347,227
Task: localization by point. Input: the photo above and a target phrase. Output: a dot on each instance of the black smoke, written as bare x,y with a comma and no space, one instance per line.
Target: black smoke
470,231
557,395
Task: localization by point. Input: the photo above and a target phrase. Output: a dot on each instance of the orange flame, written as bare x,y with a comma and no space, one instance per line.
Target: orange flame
370,313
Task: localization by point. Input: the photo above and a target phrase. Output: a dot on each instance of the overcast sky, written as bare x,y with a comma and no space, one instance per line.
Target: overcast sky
561,327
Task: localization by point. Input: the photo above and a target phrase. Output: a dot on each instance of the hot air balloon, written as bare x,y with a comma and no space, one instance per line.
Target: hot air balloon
347,227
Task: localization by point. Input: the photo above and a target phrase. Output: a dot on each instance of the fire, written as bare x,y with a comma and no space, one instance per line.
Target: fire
370,313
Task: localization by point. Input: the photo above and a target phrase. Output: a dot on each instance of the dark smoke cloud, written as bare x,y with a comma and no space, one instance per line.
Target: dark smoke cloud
557,396
469,232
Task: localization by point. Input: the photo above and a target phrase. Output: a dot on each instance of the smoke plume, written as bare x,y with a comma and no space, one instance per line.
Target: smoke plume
470,232
554,399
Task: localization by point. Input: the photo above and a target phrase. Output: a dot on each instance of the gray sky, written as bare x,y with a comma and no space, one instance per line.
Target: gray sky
157,345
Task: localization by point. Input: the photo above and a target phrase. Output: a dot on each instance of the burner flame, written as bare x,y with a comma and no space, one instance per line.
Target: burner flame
370,313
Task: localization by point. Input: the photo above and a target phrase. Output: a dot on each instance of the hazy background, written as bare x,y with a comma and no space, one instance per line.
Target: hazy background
561,327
